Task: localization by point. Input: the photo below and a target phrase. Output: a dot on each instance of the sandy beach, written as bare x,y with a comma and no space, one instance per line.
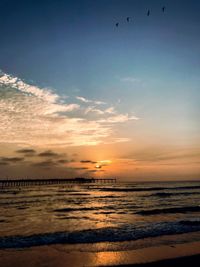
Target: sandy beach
57,255
176,262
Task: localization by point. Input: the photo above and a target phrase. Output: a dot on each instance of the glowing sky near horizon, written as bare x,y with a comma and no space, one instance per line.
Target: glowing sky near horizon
80,96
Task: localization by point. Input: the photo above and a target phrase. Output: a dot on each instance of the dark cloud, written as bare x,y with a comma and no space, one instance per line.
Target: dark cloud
3,163
26,151
62,161
80,168
88,161
45,164
12,159
50,163
50,153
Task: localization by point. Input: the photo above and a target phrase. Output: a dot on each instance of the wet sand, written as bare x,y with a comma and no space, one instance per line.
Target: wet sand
177,262
57,255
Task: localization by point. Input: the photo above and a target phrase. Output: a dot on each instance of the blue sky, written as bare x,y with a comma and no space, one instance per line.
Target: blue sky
148,68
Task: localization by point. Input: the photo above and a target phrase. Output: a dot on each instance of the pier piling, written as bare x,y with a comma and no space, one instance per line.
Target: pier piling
56,181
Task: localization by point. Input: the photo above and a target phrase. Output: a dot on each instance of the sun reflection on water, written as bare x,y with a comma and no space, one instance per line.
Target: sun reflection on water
107,258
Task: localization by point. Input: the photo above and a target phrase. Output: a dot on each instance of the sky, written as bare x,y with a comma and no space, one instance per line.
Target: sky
80,96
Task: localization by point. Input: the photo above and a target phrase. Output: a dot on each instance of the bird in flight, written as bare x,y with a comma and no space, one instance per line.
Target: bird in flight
128,19
163,9
148,12
117,24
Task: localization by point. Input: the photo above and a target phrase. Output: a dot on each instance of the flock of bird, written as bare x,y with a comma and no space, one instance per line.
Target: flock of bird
148,14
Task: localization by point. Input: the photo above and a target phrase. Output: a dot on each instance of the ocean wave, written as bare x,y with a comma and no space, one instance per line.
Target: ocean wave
104,197
16,203
74,218
76,209
124,233
190,222
79,194
162,194
169,194
140,189
185,209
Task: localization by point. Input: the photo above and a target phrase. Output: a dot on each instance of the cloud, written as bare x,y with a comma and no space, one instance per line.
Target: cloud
154,155
93,171
49,153
62,161
17,83
80,168
49,162
11,159
83,99
129,79
97,170
88,161
38,117
121,140
26,151
110,110
2,163
118,118
45,164
93,109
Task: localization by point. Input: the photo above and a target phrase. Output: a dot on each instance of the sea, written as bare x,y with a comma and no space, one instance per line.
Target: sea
125,213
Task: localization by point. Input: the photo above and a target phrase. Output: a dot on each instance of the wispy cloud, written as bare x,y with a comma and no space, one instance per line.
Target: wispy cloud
130,79
35,116
158,155
93,109
119,118
110,110
17,83
85,100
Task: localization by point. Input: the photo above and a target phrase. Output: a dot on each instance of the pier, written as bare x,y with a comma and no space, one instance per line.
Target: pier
55,181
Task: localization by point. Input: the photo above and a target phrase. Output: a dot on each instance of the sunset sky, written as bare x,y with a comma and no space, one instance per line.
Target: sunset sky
82,97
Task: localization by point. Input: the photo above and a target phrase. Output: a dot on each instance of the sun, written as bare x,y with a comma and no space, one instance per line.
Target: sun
98,166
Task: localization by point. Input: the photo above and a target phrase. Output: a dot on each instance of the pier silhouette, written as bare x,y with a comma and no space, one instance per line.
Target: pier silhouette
53,181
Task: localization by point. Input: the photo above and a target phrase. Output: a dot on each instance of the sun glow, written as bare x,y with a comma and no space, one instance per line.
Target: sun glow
98,166
102,163
105,161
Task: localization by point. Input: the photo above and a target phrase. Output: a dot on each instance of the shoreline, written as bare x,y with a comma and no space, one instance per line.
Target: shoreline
57,255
